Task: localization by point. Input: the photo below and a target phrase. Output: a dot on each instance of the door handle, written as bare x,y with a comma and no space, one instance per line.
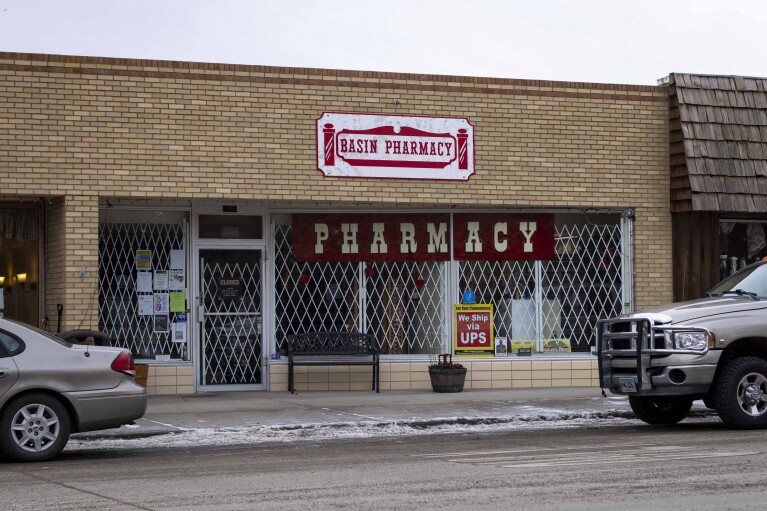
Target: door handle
2,373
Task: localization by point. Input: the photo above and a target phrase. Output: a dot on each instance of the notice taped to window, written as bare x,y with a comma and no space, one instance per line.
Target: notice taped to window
473,327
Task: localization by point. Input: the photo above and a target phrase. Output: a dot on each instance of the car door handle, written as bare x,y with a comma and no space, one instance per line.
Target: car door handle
2,373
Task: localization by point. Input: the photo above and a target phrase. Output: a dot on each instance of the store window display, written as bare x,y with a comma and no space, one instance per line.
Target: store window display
143,282
20,286
741,243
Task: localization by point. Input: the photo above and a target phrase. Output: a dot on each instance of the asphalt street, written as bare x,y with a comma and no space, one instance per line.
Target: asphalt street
698,465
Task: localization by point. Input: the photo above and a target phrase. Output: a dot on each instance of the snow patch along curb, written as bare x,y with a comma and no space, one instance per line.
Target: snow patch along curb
137,439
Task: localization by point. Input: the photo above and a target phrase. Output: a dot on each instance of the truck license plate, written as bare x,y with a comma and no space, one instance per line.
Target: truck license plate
628,384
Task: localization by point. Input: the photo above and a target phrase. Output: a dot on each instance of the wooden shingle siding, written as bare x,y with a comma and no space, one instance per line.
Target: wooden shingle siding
718,168
718,136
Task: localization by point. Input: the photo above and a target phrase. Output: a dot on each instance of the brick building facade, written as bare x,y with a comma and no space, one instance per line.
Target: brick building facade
99,142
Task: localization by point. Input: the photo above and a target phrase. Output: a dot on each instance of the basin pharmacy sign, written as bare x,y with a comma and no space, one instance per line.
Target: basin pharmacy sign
473,327
395,146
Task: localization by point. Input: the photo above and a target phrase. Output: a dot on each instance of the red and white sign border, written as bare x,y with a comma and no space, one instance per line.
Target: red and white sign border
456,129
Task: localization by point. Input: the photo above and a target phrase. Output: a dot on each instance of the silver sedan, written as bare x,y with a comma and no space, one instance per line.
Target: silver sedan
50,388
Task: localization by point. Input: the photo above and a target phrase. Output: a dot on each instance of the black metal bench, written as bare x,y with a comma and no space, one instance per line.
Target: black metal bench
332,348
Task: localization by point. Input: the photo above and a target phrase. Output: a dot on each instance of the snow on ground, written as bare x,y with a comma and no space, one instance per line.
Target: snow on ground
531,418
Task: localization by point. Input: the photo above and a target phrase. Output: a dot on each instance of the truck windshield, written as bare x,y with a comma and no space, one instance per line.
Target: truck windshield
750,281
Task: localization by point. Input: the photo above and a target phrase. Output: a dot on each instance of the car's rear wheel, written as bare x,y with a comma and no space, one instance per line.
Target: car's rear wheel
740,393
34,427
660,410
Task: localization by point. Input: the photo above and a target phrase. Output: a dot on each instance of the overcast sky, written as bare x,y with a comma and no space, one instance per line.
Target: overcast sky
592,41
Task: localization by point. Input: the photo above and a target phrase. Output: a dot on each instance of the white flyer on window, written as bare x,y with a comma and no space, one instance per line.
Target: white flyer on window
145,305
144,282
179,332
161,280
176,280
177,260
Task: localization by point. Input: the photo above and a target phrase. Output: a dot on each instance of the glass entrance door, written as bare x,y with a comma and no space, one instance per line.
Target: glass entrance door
230,317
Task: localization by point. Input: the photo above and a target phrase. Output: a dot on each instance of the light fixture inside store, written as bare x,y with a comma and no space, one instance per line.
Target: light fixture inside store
2,281
21,279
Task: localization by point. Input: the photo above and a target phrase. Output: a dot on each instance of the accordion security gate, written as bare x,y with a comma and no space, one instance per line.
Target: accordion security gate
231,317
401,303
405,304
118,291
542,302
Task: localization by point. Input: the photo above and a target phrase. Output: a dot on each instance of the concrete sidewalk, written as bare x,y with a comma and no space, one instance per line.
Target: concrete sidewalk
172,414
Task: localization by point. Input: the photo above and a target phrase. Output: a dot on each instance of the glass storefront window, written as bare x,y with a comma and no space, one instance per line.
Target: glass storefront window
401,303
549,305
143,282
20,263
553,305
405,306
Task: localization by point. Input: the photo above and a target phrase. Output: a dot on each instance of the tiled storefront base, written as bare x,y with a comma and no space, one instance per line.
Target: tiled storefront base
482,374
170,380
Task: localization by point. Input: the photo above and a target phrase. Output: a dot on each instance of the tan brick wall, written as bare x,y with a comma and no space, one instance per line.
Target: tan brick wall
82,254
89,128
71,229
55,260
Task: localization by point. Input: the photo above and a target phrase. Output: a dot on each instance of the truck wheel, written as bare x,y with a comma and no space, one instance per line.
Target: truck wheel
34,427
660,410
740,394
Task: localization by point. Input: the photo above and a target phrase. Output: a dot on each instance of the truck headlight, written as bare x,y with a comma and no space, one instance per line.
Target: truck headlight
693,341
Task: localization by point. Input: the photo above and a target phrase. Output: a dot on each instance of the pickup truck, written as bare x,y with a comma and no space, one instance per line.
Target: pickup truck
713,348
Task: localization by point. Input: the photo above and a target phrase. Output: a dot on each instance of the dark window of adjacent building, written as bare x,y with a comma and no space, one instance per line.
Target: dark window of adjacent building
20,263
740,244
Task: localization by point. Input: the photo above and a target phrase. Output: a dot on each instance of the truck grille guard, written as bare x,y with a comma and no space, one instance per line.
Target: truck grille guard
639,339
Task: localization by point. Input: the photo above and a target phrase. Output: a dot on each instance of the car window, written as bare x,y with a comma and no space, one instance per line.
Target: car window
50,336
752,279
12,345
